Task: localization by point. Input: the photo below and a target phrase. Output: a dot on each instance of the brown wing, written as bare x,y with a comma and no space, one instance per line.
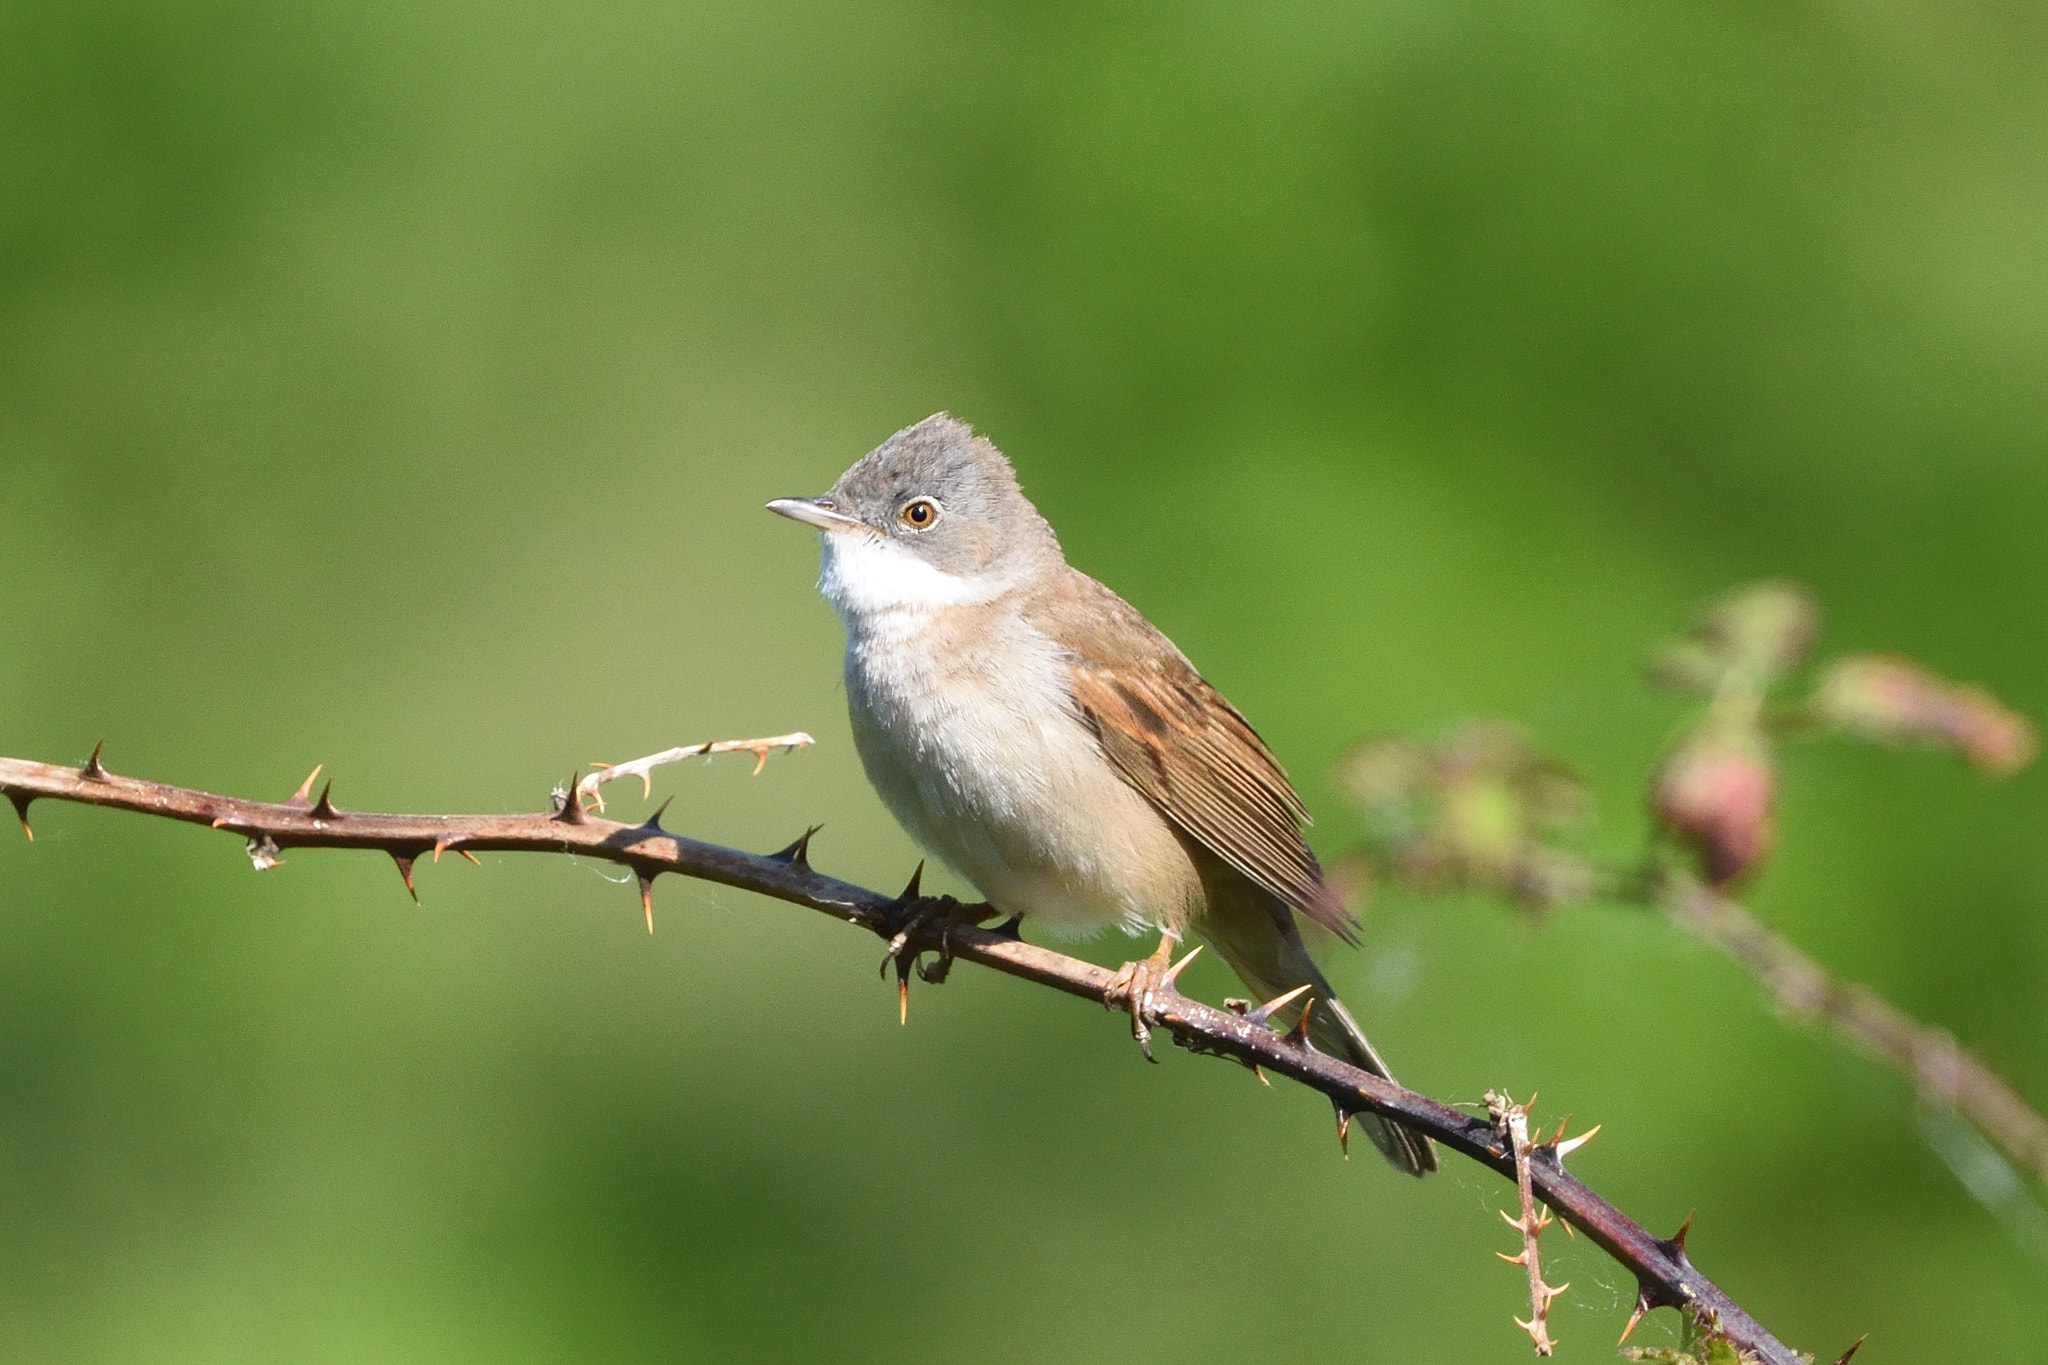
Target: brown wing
1176,739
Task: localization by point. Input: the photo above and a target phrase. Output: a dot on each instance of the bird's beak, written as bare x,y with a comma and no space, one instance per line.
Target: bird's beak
818,512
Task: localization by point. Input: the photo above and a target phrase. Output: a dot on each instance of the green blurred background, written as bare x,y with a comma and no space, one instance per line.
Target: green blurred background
397,386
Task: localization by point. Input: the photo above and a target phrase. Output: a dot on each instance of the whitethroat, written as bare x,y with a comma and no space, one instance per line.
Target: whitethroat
1035,733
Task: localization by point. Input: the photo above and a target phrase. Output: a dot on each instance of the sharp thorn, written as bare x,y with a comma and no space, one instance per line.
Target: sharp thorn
1259,1075
798,854
1343,1128
1561,1150
572,812
654,820
220,822
404,861
903,999
1643,1305
21,802
302,798
1299,1033
1854,1347
647,786
1521,1259
471,856
1676,1242
1277,1003
1173,972
442,845
760,761
93,771
646,896
916,881
324,808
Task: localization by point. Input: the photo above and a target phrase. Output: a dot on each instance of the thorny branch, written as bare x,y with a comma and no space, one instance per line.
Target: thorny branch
1942,1070
643,768
1480,809
1665,1277
1511,1121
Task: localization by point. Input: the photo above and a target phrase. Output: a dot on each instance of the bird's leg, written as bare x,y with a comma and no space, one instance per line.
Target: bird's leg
1137,984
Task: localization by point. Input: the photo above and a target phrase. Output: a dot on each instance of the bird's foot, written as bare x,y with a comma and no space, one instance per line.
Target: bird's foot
926,924
1138,986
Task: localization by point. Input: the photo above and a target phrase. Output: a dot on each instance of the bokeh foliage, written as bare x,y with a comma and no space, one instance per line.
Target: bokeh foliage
396,386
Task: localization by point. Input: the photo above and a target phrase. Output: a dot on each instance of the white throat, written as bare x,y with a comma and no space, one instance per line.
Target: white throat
864,575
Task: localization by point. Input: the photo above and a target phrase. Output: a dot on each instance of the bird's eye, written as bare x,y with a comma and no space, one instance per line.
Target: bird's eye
919,513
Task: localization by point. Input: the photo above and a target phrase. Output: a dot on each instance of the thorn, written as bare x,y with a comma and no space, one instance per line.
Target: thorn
798,854
21,802
1644,1304
646,896
1561,1150
302,798
916,880
760,761
404,861
1011,928
92,771
324,808
1675,1243
441,845
1277,1003
1173,972
1854,1347
572,812
220,822
654,820
1298,1035
1343,1124
1259,1075
899,952
471,856
1521,1258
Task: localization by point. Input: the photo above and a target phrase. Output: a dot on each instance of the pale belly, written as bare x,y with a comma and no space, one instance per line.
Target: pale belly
981,757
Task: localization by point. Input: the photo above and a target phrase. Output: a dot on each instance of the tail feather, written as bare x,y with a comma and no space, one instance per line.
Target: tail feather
1257,936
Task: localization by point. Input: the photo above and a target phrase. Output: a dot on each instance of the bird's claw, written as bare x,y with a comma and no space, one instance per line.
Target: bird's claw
1137,986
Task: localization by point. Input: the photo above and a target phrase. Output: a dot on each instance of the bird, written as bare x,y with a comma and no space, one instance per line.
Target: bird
1034,732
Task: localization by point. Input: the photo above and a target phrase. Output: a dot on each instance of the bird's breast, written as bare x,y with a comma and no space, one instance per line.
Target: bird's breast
967,728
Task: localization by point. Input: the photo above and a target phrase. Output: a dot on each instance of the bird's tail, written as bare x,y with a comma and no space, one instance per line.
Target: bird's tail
1256,934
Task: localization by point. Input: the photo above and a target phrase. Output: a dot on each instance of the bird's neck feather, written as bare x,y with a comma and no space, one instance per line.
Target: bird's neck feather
865,576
